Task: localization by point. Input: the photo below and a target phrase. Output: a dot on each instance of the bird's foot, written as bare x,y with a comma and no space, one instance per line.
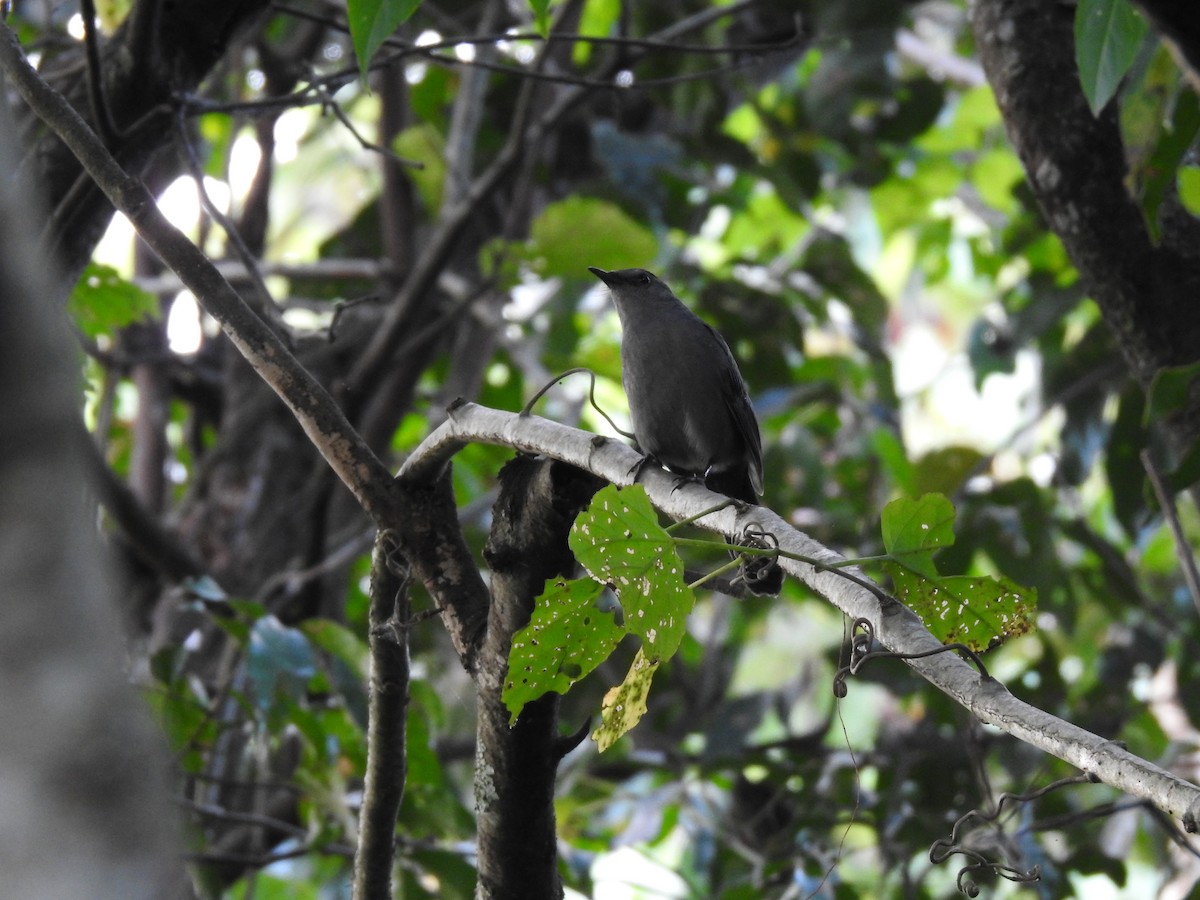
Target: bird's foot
635,472
683,480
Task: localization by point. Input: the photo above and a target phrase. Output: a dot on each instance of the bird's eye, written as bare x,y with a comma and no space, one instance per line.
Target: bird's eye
643,279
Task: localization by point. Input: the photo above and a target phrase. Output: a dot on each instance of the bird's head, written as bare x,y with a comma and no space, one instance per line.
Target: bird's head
634,286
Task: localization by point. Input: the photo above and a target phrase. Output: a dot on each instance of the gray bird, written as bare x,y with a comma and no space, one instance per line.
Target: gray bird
690,407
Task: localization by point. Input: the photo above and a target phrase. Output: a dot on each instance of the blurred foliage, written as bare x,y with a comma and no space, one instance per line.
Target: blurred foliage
852,218
103,302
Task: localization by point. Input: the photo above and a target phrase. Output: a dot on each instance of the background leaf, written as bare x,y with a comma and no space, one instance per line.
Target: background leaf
374,21
103,302
1107,36
578,232
277,657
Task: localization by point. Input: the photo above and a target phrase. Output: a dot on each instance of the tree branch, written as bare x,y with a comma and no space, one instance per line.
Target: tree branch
516,764
161,50
323,422
432,541
82,765
896,626
1075,163
527,132
387,762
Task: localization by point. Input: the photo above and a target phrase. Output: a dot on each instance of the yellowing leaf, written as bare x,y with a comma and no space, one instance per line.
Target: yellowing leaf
624,705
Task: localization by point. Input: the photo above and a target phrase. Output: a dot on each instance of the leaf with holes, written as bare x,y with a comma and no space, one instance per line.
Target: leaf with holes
980,612
624,705
568,635
618,540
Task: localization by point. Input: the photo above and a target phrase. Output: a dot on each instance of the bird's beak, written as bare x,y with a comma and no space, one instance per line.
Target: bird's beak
601,274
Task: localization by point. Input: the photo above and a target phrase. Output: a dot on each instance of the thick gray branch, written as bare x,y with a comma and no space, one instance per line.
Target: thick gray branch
1075,164
896,627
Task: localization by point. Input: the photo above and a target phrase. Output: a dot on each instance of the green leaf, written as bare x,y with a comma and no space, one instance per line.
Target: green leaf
578,232
568,635
624,705
977,611
994,174
277,657
980,612
1189,189
372,22
424,144
103,302
339,642
1187,472
1169,390
597,20
913,529
618,540
1175,121
1107,36
424,767
244,614
541,16
889,450
944,471
1126,477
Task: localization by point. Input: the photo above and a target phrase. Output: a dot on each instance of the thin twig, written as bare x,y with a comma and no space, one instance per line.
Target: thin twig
1183,549
95,75
329,103
264,302
528,408
346,452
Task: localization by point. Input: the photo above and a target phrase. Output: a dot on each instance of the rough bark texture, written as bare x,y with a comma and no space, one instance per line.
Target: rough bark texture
515,767
432,543
387,759
1075,163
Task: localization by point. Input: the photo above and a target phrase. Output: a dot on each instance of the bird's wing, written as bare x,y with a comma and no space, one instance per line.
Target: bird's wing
737,401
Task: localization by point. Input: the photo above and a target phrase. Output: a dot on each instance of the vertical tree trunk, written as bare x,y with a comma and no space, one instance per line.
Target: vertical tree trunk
515,766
